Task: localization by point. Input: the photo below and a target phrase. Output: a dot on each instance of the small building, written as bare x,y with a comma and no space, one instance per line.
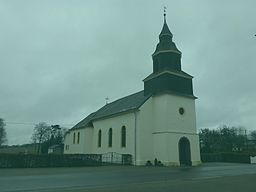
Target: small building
158,122
55,149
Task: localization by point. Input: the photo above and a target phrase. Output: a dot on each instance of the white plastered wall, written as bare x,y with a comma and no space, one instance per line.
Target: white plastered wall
167,148
170,126
116,124
144,129
166,114
85,141
160,126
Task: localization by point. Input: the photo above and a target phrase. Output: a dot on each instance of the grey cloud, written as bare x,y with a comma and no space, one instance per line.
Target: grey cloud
59,60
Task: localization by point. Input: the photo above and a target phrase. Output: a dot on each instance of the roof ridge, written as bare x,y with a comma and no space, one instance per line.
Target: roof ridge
124,104
124,97
91,115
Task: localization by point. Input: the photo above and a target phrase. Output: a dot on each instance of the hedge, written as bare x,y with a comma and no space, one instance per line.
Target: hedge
30,161
226,157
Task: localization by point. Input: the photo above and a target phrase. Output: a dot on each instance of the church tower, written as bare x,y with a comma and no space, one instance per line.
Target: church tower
172,116
167,74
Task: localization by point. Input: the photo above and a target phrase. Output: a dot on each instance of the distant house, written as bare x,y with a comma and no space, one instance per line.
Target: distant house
158,122
55,149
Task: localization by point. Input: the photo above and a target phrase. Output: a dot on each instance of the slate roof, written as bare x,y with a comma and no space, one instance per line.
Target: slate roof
153,75
85,122
166,43
124,104
165,29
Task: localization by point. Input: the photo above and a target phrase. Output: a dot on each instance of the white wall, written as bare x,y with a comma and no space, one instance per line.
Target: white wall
166,114
166,148
89,136
144,123
84,145
116,124
67,142
160,126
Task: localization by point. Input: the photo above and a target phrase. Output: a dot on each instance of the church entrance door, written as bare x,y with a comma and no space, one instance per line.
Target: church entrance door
184,152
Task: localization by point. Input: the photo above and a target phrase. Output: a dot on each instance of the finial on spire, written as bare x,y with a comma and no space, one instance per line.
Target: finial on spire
165,12
107,99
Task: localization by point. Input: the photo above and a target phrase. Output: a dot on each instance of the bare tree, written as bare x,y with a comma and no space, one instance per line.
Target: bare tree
44,136
253,136
41,134
3,138
57,134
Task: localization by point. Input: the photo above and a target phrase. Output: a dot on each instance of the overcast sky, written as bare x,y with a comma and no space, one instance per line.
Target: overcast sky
60,59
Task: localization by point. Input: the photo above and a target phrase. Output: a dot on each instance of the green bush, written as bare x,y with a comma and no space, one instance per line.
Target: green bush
25,161
231,157
211,157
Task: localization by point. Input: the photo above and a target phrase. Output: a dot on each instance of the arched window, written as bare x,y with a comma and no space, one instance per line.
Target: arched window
99,138
78,137
123,137
110,132
74,138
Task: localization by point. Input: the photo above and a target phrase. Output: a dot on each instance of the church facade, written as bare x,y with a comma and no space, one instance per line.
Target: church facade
157,122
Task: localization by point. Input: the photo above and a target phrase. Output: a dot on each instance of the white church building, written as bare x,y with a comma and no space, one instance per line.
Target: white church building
157,122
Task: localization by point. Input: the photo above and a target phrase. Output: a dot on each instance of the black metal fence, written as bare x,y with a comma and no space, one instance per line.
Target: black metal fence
66,160
116,158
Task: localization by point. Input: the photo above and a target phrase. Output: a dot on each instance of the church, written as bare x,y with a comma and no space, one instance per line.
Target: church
157,122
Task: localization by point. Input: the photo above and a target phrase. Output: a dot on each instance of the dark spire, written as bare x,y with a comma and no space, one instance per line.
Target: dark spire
165,29
166,55
167,76
165,39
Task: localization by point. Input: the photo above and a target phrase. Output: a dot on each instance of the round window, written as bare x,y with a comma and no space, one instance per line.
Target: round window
181,110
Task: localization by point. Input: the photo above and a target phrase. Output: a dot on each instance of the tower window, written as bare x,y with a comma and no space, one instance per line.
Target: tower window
123,137
110,132
99,138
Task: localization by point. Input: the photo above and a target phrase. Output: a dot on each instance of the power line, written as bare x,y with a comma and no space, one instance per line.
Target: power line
19,123
26,123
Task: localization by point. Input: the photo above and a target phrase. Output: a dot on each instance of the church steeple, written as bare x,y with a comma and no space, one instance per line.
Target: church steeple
166,55
167,74
165,29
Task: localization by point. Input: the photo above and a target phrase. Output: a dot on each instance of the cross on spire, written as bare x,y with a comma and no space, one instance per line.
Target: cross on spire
107,100
165,12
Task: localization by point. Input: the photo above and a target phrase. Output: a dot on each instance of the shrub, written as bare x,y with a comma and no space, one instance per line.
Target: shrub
231,157
23,161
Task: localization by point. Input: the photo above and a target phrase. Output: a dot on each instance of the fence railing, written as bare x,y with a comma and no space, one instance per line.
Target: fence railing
116,158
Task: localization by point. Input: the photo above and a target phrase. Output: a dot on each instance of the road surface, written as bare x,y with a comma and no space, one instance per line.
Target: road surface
208,177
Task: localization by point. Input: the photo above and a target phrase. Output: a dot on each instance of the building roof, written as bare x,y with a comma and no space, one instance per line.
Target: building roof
176,72
85,122
165,29
124,104
165,41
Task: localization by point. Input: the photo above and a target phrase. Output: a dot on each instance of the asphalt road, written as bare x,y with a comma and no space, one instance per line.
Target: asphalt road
208,177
